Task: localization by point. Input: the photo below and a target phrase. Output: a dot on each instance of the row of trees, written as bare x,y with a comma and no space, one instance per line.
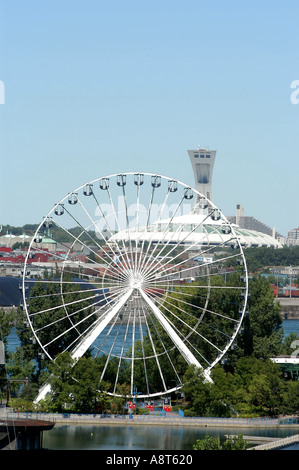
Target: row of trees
258,258
248,384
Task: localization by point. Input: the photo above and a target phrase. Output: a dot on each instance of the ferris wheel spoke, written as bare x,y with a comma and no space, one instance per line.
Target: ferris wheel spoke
156,357
56,307
97,228
184,338
121,182
72,314
189,248
88,330
118,254
167,270
164,348
77,239
110,352
99,326
155,183
190,327
195,244
121,357
142,318
186,353
179,241
150,241
166,230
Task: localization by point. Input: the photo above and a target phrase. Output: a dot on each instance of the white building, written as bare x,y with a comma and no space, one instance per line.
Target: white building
293,237
202,161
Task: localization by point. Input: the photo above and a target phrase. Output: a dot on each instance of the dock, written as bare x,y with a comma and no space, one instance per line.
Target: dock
276,443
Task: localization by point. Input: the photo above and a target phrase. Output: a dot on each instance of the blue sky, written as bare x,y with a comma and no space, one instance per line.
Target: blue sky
100,87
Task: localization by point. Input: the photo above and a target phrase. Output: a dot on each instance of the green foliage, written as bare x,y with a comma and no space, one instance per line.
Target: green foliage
207,443
290,344
263,333
257,258
7,320
254,389
290,404
249,385
213,443
235,443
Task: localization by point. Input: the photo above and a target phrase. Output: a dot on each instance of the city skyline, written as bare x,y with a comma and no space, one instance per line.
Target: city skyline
93,89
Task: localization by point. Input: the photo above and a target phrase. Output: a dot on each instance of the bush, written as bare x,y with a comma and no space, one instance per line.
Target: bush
213,443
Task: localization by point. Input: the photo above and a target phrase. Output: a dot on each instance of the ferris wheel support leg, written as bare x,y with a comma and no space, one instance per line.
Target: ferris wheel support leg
43,391
87,342
94,333
187,354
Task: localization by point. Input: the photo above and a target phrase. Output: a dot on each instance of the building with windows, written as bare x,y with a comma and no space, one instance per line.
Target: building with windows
202,161
293,237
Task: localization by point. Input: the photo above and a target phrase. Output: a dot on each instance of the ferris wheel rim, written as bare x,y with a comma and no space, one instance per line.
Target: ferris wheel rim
233,336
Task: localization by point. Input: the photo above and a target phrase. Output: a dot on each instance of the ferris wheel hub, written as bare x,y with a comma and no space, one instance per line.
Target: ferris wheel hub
137,282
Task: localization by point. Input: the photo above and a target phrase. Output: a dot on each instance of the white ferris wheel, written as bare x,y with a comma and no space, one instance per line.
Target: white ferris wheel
147,274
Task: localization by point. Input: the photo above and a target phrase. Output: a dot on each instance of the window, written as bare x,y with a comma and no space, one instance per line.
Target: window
208,156
196,155
202,155
203,173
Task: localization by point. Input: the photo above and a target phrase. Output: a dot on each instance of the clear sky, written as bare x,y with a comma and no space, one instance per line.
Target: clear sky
97,87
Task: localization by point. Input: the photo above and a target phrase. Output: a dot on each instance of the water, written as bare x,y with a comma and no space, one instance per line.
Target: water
290,326
13,340
85,437
118,438
294,447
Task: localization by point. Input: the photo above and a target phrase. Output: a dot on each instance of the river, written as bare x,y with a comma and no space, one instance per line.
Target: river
119,438
90,437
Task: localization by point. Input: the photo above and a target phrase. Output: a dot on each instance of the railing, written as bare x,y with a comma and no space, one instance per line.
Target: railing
278,444
170,417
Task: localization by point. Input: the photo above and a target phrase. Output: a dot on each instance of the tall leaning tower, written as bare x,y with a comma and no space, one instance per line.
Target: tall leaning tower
202,161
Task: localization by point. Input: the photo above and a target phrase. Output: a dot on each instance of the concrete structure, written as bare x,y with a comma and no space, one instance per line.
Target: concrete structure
289,366
202,161
22,433
251,223
251,231
293,237
289,308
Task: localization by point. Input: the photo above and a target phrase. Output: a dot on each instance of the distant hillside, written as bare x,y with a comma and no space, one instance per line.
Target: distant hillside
56,233
257,258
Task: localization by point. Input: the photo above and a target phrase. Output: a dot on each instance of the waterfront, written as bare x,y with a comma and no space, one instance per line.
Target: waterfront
289,326
149,436
144,437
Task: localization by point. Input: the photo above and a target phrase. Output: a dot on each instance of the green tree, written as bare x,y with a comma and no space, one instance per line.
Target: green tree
197,392
223,393
259,386
207,443
213,443
18,368
235,443
290,344
263,333
291,398
7,320
86,383
62,382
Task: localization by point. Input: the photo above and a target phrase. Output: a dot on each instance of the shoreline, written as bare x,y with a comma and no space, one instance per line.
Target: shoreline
174,420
